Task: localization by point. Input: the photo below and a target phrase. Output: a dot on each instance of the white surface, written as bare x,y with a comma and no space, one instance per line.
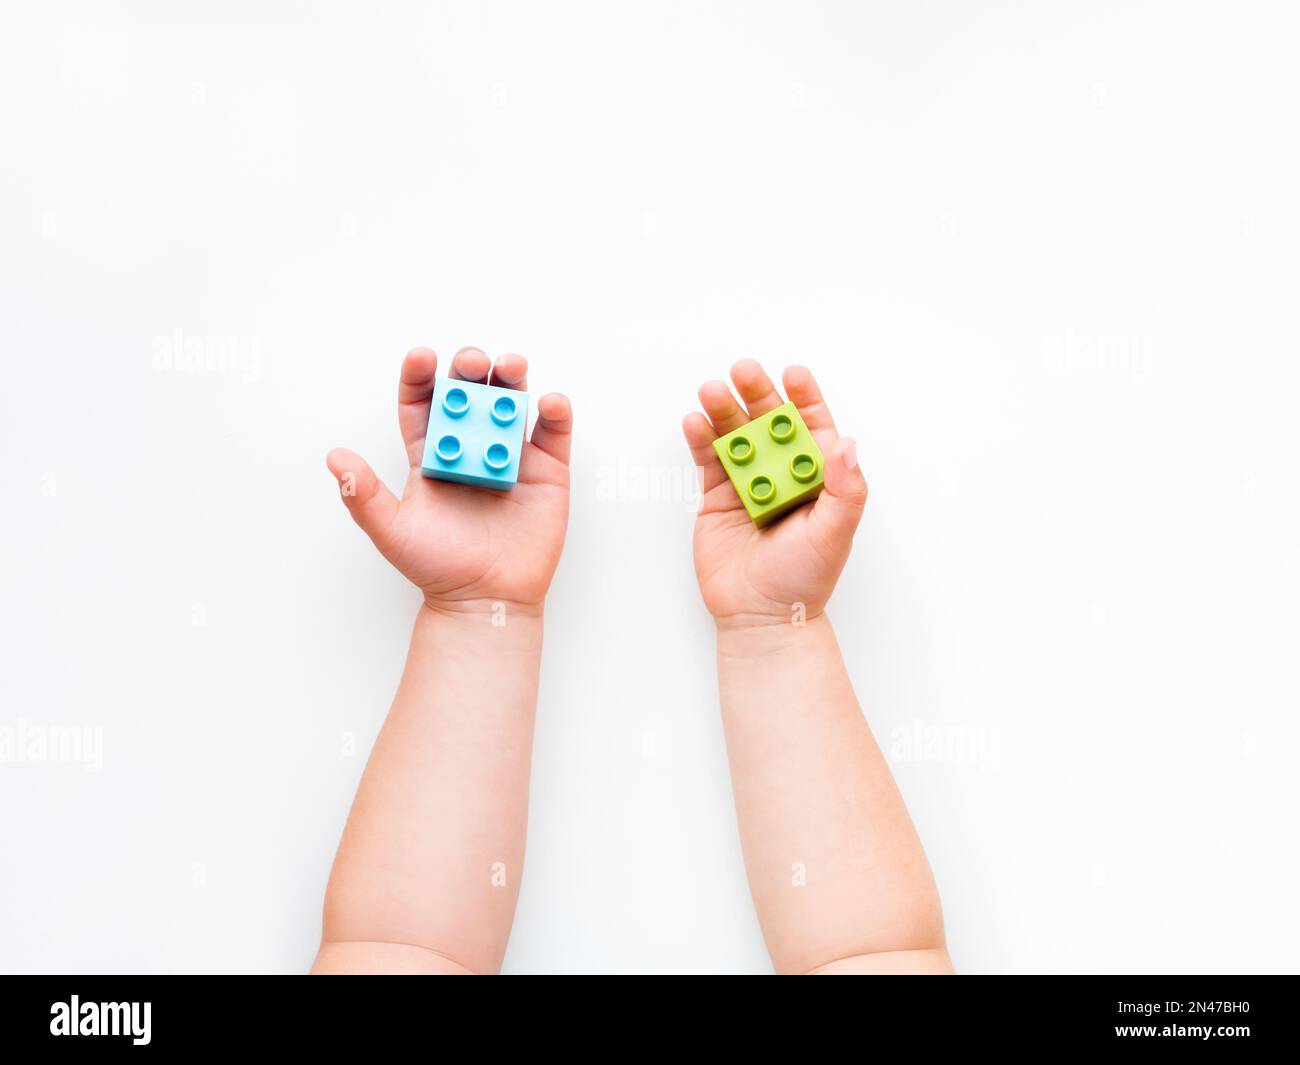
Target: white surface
1043,258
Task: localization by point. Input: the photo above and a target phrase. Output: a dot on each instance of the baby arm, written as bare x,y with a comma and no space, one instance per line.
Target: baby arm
427,873
836,870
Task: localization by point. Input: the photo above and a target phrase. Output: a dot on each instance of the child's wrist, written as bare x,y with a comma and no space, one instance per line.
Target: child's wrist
495,610
484,623
757,635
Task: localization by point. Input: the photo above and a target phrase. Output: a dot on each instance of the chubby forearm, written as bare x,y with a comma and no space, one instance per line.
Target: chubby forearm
427,873
838,874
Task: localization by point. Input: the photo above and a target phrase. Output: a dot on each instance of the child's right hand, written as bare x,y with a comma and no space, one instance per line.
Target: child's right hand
467,547
750,576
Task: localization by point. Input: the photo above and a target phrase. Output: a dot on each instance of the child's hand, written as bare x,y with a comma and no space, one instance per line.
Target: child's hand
467,547
752,576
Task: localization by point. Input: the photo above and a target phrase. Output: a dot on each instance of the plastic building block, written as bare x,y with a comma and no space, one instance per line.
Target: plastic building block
773,462
476,433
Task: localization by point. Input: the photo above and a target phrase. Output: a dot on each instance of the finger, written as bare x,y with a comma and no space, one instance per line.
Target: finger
510,371
553,432
471,364
844,495
371,505
414,389
721,407
755,388
801,387
699,438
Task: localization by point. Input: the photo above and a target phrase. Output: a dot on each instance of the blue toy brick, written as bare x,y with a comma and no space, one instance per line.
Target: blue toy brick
476,433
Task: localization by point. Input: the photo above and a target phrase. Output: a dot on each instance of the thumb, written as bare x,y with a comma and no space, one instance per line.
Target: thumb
371,505
844,492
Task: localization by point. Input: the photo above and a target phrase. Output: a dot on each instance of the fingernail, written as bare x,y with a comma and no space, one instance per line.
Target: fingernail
851,456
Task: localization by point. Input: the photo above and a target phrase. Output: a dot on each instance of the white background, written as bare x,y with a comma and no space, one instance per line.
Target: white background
1042,257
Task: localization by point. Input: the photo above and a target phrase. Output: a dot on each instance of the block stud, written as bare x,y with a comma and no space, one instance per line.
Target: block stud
762,490
803,468
782,428
448,449
504,410
497,456
740,450
455,402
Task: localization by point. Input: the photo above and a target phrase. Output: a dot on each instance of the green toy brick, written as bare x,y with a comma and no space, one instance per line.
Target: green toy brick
773,462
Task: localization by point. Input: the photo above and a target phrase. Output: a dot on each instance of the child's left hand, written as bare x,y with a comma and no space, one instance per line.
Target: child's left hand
466,547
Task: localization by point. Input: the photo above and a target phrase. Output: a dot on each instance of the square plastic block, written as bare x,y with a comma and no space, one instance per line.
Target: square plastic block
773,462
476,433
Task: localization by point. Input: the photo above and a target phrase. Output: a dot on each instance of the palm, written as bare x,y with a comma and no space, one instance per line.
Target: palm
787,569
461,542
745,570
